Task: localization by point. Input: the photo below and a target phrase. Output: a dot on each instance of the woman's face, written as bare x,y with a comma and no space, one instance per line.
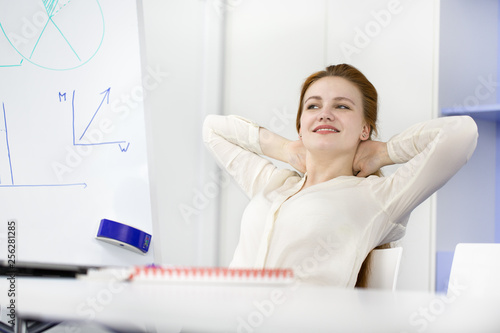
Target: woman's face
332,116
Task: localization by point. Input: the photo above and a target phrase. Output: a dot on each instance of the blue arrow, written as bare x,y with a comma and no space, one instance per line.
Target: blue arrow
106,98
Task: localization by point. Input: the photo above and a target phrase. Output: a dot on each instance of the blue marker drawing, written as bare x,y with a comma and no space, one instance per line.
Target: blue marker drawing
123,145
50,7
106,98
14,65
12,183
7,144
71,52
45,185
124,149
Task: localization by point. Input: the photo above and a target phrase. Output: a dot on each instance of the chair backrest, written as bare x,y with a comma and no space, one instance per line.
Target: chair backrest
384,268
475,270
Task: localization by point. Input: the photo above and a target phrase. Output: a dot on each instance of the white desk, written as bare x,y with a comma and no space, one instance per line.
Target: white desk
238,308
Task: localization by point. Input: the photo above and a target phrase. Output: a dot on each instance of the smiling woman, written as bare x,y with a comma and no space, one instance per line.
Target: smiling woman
331,115
324,220
344,89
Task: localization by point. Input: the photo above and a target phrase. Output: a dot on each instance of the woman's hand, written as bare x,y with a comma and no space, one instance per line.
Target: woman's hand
296,153
370,157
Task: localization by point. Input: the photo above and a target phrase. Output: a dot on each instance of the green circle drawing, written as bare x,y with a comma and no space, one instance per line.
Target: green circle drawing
56,26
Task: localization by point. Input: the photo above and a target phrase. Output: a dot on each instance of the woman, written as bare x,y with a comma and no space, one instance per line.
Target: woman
324,223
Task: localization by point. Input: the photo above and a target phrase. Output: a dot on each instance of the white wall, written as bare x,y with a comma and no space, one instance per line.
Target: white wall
181,40
270,47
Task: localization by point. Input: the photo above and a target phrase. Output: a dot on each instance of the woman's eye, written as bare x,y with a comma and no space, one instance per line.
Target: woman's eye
312,106
342,106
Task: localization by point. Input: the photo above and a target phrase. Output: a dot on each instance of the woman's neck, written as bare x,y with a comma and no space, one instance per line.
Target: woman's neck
323,167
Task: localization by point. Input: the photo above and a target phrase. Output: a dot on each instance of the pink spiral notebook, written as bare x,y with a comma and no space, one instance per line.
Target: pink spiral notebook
210,274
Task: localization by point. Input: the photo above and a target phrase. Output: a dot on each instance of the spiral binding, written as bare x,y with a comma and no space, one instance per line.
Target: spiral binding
211,274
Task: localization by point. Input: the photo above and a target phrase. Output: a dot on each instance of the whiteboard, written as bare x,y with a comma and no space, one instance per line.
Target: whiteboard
72,129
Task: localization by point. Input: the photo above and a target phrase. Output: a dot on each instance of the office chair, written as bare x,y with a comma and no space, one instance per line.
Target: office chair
384,268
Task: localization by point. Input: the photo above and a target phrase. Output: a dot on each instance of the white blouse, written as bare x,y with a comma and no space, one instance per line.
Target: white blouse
325,231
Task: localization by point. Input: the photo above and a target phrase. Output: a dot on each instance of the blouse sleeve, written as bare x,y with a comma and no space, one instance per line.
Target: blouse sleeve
431,153
234,142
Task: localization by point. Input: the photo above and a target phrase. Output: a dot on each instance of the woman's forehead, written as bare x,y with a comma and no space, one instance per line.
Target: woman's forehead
334,87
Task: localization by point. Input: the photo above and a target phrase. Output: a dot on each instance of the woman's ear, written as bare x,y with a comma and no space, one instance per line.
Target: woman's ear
365,132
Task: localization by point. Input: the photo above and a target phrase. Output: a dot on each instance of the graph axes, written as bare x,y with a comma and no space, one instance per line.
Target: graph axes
123,145
12,183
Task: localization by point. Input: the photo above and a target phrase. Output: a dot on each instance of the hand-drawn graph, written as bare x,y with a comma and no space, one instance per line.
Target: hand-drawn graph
7,178
72,150
81,139
48,33
83,135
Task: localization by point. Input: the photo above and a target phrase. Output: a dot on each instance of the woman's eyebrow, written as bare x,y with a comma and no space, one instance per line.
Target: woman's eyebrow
344,98
312,97
340,98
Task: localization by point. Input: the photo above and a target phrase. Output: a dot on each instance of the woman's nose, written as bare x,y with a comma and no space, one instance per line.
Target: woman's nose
326,115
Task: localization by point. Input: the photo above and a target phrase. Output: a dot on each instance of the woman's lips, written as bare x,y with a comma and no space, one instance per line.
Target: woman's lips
325,129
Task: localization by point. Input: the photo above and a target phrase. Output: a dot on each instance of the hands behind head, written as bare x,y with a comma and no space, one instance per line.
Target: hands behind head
297,155
370,157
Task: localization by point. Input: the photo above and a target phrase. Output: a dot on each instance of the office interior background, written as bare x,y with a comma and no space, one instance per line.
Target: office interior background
250,57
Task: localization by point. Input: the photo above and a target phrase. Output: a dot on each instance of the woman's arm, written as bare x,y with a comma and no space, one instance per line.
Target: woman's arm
282,149
235,145
430,153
